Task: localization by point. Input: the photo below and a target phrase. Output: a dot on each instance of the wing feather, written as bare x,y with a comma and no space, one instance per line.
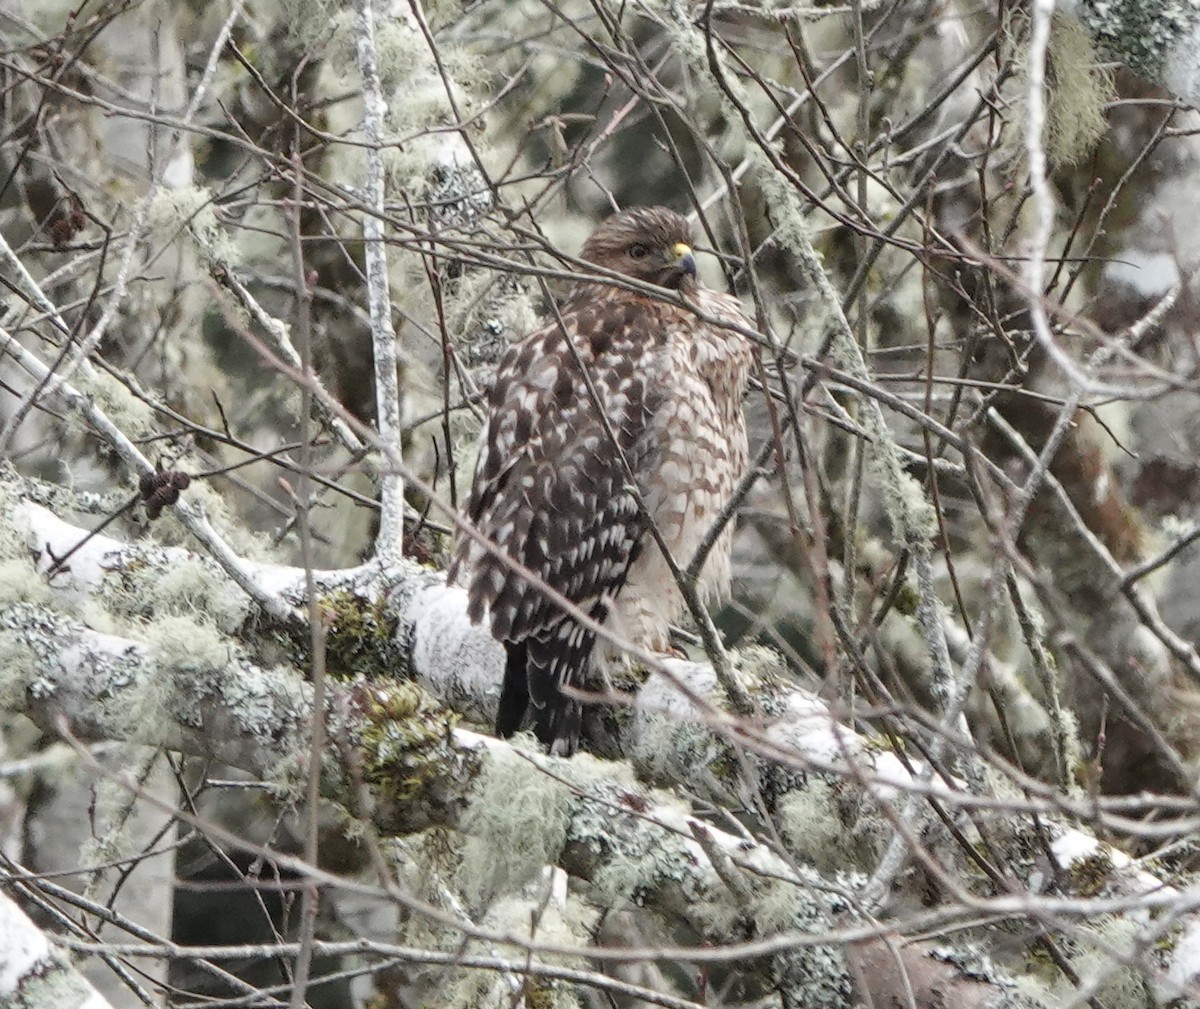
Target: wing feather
552,492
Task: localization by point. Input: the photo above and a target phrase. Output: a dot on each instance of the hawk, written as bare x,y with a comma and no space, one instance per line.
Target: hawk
552,484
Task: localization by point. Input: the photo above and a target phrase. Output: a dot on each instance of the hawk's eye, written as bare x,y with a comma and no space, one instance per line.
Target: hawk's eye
638,251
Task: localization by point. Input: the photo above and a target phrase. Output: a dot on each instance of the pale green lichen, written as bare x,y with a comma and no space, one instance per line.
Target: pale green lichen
516,821
1078,89
134,416
816,975
1081,89
911,515
111,841
96,615
905,499
669,748
531,917
158,586
187,652
263,701
191,210
13,545
1109,949
809,822
775,905
403,58
197,587
308,23
188,644
970,960
35,640
20,582
17,662
1027,991
666,748
486,313
760,667
147,694
417,106
248,543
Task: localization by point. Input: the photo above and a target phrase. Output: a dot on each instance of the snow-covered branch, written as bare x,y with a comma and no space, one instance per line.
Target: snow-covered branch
32,972
187,685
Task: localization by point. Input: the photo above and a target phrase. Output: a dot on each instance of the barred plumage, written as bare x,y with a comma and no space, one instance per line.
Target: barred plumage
550,487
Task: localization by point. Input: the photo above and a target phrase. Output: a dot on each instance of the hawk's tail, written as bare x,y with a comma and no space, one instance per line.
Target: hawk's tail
514,695
534,671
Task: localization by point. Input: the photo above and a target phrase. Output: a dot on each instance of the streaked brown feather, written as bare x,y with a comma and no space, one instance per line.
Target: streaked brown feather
551,490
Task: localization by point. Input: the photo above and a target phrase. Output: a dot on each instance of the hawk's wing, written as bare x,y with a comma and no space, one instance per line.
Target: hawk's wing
551,492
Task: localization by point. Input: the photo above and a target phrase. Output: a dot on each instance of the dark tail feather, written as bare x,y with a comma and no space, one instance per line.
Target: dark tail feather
557,725
556,718
514,695
536,669
558,657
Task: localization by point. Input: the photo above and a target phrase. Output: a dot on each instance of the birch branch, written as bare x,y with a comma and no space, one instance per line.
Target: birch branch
383,334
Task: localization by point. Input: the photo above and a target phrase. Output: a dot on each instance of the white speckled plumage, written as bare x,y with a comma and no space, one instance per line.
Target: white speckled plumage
550,487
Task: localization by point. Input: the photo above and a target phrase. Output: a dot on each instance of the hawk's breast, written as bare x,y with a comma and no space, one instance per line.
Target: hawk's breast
696,455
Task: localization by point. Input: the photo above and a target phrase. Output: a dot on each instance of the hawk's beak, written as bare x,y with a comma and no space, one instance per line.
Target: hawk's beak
685,261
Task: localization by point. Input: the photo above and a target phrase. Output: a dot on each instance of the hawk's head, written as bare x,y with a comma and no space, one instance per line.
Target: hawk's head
651,244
